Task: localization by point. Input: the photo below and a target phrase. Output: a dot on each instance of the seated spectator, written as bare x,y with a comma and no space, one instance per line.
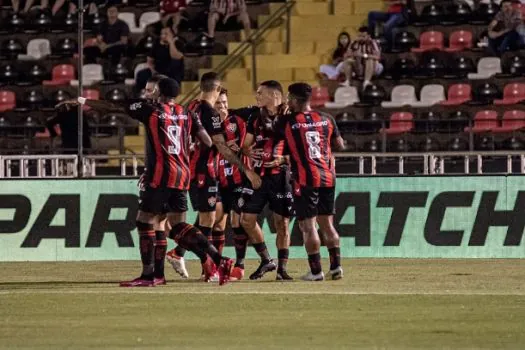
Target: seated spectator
28,4
112,39
165,58
395,16
362,58
170,11
222,10
502,31
333,70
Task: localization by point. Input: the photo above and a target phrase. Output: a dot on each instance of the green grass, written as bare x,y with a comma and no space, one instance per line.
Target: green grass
380,304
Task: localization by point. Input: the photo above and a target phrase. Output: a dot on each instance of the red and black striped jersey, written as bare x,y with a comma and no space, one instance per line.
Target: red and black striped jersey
169,128
308,137
267,145
204,160
234,131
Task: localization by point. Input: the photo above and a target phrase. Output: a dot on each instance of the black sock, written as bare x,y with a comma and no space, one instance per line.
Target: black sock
335,257
147,248
282,255
180,251
314,260
240,240
189,237
206,231
218,240
161,245
261,249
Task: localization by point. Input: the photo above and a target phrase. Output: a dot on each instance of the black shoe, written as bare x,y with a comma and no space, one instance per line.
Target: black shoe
283,276
265,266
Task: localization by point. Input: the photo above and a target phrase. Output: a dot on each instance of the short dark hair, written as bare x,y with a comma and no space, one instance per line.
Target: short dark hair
156,78
169,88
300,91
224,91
208,81
272,84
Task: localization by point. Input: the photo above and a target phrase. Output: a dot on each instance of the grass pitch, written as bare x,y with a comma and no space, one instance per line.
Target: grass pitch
380,304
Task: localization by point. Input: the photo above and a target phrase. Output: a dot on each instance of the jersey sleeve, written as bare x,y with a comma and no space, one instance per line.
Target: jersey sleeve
279,126
335,132
139,109
211,120
196,124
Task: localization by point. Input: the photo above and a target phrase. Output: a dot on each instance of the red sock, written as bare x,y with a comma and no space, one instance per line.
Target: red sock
218,240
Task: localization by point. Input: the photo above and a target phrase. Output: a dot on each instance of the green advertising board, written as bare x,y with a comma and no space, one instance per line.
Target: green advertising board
407,217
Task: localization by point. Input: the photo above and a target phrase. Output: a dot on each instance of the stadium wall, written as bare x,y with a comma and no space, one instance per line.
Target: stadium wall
406,217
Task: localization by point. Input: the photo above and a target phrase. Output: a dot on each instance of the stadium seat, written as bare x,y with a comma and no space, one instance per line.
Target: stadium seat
34,99
485,93
15,22
118,73
431,66
91,74
372,146
402,95
402,68
9,74
485,13
427,122
399,146
484,143
430,41
431,14
404,41
459,40
344,96
39,21
456,122
487,67
7,100
430,95
512,94
459,67
36,49
371,123
429,144
458,94
319,96
61,75
513,144
66,47
400,123
129,18
514,66
36,74
12,48
59,96
484,121
511,121
137,69
91,94
346,123
115,95
458,144
148,18
458,13
373,95
145,45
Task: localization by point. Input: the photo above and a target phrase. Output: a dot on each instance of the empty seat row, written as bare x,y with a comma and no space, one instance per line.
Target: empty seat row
38,48
146,19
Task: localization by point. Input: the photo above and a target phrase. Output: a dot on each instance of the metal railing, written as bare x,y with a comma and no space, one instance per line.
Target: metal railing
90,163
39,166
251,43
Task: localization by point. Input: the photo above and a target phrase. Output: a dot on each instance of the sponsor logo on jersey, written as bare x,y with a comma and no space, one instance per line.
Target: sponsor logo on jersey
232,127
212,201
310,125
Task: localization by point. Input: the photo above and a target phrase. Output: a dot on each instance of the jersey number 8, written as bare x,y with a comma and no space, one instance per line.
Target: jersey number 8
313,139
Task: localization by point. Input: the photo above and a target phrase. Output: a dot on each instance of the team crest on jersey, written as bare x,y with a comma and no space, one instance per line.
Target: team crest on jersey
232,127
212,201
240,203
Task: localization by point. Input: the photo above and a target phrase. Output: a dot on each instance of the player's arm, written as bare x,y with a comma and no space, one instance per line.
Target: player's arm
337,141
95,104
249,140
199,132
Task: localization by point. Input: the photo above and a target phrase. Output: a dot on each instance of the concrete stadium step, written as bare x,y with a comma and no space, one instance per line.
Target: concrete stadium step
311,8
270,62
133,141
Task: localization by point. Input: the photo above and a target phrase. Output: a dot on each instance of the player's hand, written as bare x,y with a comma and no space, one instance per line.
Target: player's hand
233,146
250,152
67,104
254,179
141,184
169,36
277,162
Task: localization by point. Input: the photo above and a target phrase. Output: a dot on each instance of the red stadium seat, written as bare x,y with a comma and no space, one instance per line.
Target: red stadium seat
7,100
484,121
458,94
512,94
512,121
319,96
429,41
90,94
460,40
62,74
400,123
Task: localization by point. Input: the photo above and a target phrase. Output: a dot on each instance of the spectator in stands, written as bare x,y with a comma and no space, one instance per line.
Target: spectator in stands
166,58
67,119
362,58
112,39
395,16
170,11
222,10
333,70
503,34
28,4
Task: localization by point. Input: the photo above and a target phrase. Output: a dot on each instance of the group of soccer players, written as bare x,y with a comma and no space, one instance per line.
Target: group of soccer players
234,163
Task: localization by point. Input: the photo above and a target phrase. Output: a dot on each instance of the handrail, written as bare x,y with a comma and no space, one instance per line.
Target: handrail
252,43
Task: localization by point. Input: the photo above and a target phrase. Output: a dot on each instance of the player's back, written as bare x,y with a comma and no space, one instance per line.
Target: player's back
308,137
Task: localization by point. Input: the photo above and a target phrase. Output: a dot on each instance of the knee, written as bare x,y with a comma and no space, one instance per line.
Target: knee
247,221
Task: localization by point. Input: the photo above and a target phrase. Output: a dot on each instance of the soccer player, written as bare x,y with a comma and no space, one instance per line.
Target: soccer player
309,137
270,162
168,129
204,164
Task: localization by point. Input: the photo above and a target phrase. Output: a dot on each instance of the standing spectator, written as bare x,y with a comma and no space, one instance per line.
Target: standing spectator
222,10
112,39
67,119
333,70
503,34
362,58
395,16
165,58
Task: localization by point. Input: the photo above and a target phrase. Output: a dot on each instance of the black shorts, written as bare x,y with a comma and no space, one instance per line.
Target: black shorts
276,190
163,200
310,202
203,195
229,197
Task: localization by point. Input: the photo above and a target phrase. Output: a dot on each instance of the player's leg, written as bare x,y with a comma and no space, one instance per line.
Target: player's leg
221,217
305,201
161,246
244,19
253,204
325,220
213,18
240,238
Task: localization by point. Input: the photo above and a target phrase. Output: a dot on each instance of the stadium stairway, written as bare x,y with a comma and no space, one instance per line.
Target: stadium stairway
313,35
